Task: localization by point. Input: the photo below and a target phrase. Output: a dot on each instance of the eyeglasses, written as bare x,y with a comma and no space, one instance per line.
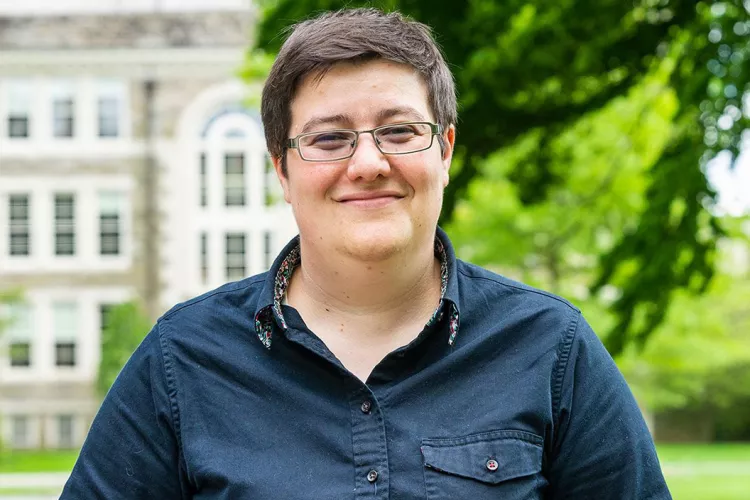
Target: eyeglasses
395,139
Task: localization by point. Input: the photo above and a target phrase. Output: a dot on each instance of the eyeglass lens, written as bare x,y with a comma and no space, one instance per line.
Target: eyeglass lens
396,139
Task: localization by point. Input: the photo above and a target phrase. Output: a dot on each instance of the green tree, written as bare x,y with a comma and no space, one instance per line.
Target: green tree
126,326
529,71
8,297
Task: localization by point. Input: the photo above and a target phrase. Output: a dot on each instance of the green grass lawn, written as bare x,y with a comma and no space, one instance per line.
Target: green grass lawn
707,472
37,461
722,452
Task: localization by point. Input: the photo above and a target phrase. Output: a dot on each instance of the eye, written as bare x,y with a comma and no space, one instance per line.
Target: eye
399,131
328,140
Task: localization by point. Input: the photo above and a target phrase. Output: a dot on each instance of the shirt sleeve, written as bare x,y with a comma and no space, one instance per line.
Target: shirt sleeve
601,447
132,449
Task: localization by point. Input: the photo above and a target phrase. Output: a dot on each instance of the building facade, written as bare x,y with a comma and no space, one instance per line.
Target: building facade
131,167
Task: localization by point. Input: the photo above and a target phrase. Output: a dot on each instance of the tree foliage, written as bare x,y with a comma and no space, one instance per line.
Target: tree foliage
126,326
532,70
8,297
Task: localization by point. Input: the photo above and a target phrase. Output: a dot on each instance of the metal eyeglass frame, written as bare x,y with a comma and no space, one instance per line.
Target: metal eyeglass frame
435,129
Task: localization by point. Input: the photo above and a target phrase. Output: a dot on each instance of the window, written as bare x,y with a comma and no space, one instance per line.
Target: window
63,116
109,223
65,316
19,110
19,224
109,117
234,180
235,254
268,250
65,437
19,335
204,258
19,431
104,312
65,238
63,110
203,181
110,104
270,182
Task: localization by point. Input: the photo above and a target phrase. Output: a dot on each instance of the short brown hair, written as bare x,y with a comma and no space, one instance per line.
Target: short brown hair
315,45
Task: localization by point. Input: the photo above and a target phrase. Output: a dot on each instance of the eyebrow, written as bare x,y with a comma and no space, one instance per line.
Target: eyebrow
406,111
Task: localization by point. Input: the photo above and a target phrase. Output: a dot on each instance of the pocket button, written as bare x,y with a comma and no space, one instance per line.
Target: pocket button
492,465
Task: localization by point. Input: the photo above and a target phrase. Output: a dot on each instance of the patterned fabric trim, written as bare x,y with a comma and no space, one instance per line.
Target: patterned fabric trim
264,318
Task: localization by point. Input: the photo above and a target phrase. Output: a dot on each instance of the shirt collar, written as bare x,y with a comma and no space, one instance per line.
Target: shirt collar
277,281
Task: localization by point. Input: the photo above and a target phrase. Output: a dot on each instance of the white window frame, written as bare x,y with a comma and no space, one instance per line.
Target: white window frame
19,106
111,109
66,321
70,420
63,98
19,227
20,332
110,223
235,263
64,226
25,422
235,179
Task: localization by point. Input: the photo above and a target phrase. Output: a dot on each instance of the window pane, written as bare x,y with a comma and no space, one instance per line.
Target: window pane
20,354
204,258
203,181
65,317
18,100
65,431
235,256
19,431
64,224
18,126
109,223
63,117
19,225
65,354
268,250
104,311
109,117
270,182
20,322
234,180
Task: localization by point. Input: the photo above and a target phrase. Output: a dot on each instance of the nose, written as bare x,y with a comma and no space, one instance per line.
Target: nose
367,163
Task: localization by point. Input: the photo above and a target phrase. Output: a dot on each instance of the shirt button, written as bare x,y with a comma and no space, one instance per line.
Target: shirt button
372,476
366,407
492,465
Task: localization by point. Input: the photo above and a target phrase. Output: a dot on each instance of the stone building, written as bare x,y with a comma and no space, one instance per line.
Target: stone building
131,166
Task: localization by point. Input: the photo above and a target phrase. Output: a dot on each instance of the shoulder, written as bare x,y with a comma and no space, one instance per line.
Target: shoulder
232,304
473,278
494,307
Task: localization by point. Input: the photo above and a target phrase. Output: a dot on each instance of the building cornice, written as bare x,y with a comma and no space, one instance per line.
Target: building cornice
139,63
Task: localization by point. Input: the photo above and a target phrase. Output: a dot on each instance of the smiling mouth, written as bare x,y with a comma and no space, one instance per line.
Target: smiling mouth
377,201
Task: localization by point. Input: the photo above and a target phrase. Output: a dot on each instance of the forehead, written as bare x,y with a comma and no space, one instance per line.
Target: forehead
361,93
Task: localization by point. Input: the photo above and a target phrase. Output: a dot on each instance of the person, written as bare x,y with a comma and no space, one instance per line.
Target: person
369,362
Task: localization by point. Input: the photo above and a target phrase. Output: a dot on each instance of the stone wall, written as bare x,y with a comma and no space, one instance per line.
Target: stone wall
135,31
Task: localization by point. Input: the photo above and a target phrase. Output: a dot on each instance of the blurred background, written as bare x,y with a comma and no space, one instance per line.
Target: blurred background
600,156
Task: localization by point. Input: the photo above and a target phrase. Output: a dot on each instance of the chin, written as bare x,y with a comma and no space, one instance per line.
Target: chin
375,243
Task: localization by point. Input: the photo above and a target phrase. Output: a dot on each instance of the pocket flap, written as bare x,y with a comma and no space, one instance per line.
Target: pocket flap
490,457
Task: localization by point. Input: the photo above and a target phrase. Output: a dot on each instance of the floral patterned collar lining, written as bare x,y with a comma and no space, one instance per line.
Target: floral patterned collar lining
265,317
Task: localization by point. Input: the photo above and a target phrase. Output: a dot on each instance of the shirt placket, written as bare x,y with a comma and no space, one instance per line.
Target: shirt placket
369,445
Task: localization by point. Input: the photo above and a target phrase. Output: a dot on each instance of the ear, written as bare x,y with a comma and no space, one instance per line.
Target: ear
283,178
449,141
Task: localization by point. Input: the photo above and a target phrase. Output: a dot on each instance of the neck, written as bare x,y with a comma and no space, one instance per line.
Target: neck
380,292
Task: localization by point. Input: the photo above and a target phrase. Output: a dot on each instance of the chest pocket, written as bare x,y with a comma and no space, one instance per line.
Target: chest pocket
503,464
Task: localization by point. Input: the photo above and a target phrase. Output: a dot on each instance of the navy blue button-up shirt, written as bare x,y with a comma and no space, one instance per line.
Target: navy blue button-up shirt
521,401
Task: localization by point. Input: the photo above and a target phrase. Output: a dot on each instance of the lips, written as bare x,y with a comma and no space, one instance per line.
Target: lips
369,195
